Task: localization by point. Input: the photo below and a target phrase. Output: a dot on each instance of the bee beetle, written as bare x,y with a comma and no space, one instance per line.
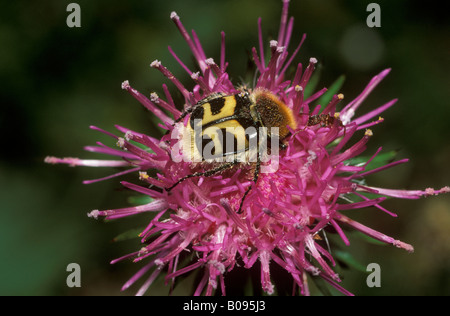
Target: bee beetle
226,130
325,120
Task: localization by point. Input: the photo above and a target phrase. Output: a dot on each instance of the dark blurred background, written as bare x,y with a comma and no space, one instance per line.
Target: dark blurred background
56,81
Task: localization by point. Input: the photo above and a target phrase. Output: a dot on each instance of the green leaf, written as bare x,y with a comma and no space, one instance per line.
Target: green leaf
368,239
332,90
141,146
354,198
379,161
349,260
312,83
139,200
130,234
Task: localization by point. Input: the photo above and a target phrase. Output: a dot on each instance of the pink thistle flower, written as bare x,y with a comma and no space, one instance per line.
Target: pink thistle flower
284,215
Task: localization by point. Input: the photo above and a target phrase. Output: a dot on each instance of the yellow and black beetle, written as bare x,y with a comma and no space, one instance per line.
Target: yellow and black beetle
223,130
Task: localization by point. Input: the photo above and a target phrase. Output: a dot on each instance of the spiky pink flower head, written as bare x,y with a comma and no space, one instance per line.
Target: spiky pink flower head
196,225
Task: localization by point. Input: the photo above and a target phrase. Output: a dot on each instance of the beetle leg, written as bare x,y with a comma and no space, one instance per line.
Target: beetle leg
255,179
206,174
